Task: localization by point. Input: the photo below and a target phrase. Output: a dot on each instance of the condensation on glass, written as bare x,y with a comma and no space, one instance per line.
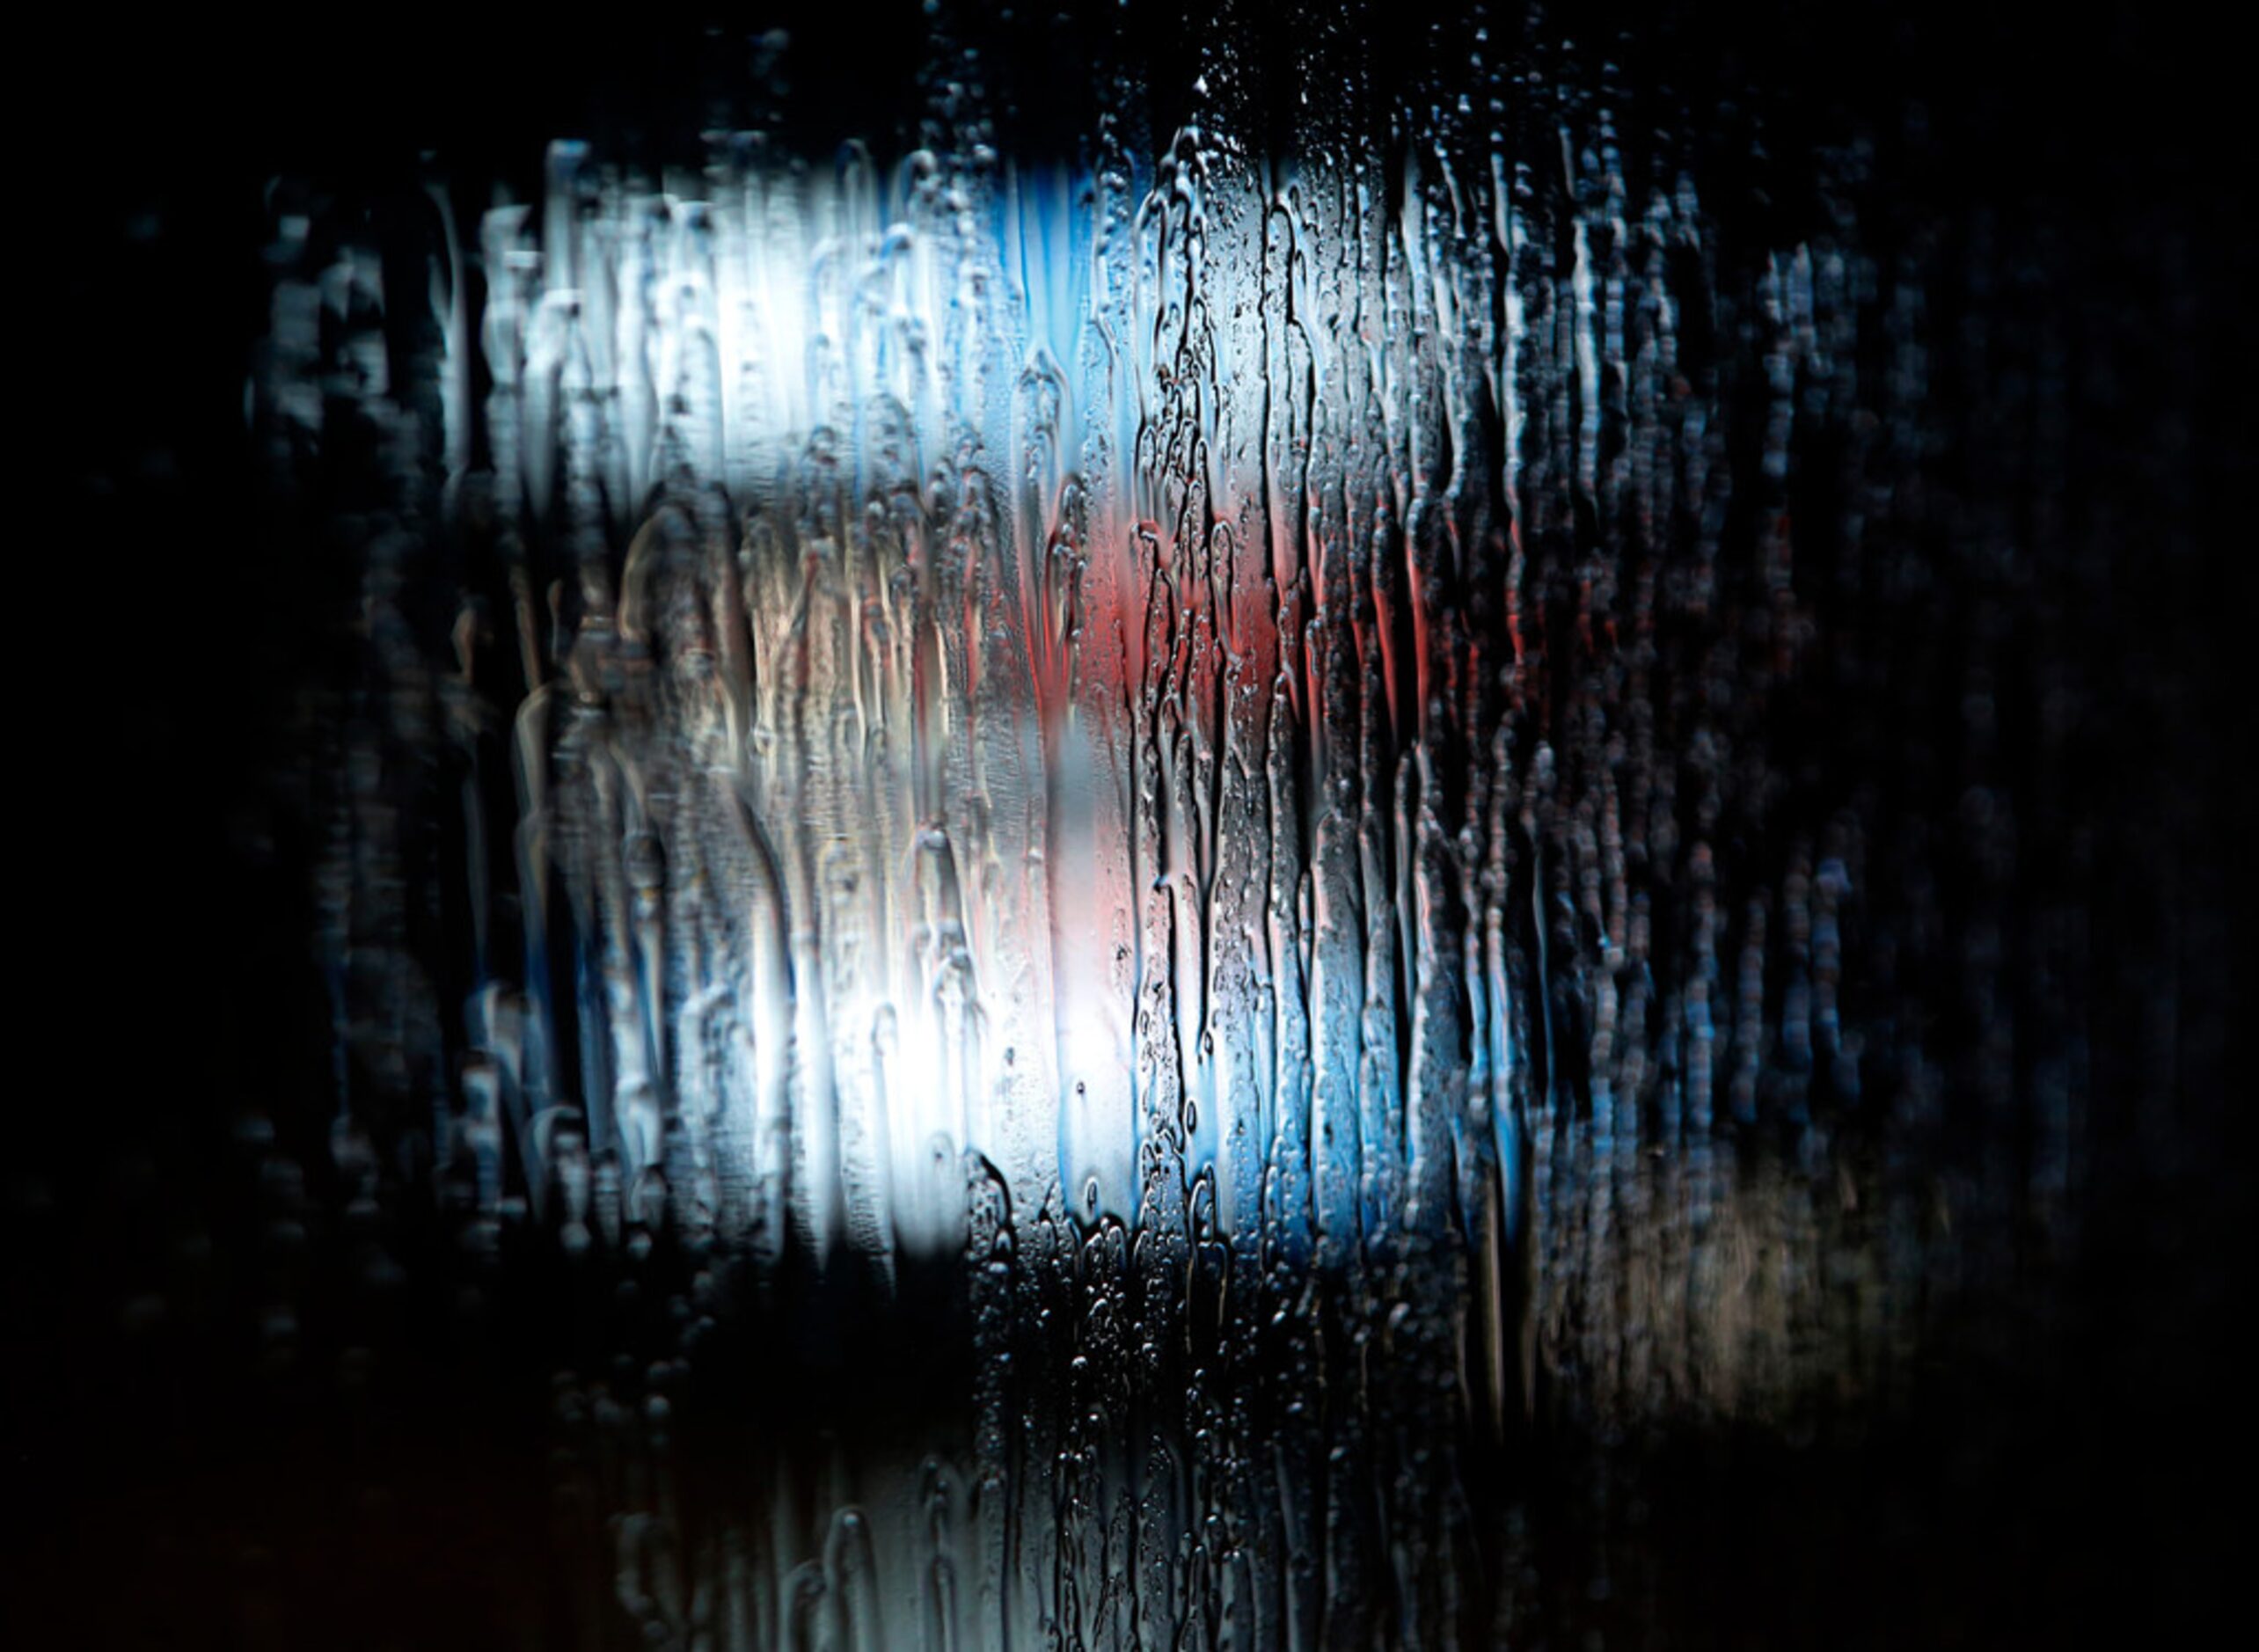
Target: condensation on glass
1190,738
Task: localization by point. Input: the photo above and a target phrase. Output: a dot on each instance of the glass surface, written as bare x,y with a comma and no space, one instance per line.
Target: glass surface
1294,830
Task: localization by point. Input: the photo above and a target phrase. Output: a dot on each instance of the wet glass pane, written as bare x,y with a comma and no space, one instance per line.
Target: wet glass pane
949,828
